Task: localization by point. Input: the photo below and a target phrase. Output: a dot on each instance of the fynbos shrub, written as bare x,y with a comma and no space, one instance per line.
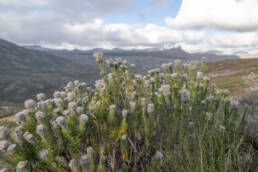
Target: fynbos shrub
173,120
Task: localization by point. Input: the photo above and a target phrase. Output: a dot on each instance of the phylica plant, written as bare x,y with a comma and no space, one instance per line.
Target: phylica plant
173,120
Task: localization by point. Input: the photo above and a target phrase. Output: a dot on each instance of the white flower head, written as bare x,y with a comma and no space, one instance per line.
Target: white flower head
125,112
63,94
76,83
41,96
193,65
109,62
124,137
90,150
60,120
132,66
20,117
18,131
40,115
150,108
30,104
185,95
206,78
98,56
50,102
43,154
66,112
177,62
42,105
99,84
164,66
22,166
41,129
222,128
165,90
132,95
199,75
103,158
174,75
132,105
162,75
210,98
143,101
5,170
226,91
234,103
124,62
57,94
138,77
4,145
54,124
58,101
11,148
208,115
72,106
147,83
191,124
84,117
70,96
158,155
84,160
152,79
28,137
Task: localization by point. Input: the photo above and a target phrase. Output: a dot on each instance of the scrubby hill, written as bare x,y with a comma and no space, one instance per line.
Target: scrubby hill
14,58
229,74
25,72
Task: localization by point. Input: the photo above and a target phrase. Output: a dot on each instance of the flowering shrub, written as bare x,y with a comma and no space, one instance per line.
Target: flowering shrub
173,120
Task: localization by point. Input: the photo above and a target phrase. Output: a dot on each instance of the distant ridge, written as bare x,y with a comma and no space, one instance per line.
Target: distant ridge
16,58
27,70
176,52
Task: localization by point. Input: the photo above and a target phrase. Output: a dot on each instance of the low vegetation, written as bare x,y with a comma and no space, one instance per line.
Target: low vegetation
169,120
230,74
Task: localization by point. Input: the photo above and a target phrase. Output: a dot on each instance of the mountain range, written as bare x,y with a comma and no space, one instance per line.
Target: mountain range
27,70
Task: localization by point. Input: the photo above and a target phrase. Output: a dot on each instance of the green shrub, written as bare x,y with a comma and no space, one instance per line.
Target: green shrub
170,121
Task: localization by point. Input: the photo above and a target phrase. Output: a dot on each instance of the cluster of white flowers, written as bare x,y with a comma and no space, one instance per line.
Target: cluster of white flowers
98,56
158,155
185,95
165,90
199,75
150,108
4,145
43,154
59,127
30,104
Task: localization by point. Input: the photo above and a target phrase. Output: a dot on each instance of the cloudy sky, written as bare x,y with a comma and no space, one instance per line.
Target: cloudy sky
196,25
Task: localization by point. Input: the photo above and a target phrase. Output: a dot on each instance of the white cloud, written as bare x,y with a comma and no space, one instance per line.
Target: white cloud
234,40
238,15
69,25
65,24
97,33
226,42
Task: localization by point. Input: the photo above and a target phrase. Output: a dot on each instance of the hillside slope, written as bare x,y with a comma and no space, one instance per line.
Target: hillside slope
16,58
25,72
229,74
